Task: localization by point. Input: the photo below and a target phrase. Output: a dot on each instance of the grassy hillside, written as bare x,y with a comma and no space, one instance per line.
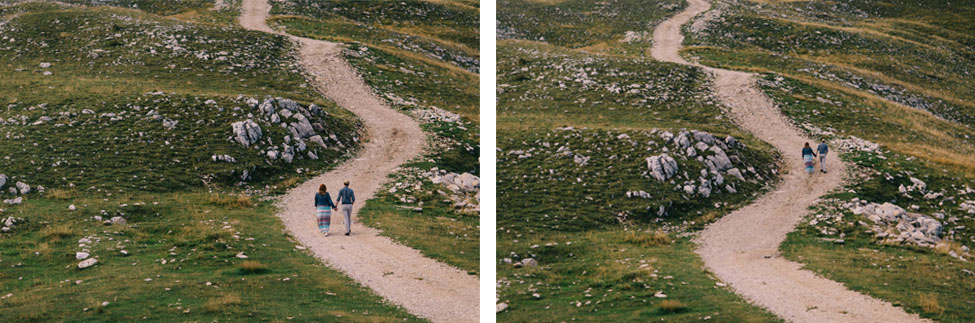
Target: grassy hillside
894,73
586,229
422,57
114,112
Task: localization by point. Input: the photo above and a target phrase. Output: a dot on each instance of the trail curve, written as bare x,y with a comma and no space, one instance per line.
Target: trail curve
741,248
402,275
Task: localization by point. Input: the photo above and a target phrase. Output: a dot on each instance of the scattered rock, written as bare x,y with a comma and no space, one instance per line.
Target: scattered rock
87,263
501,307
14,201
23,187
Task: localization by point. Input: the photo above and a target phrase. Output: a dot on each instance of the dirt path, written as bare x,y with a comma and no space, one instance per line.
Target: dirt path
425,287
735,247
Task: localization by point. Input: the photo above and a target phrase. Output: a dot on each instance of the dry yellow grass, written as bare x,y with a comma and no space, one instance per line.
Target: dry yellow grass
240,201
218,304
847,61
672,306
546,2
252,267
648,239
929,304
857,30
56,232
59,194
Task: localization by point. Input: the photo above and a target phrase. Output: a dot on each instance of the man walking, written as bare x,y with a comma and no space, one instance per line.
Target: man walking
822,149
346,198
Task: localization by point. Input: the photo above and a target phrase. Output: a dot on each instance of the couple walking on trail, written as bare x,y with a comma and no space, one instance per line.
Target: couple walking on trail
808,155
324,207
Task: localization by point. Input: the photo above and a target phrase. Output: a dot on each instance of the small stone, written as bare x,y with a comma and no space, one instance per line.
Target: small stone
529,262
81,255
71,207
241,255
501,307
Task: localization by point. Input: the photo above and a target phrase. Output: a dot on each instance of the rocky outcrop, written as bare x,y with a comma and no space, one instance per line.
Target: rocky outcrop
895,225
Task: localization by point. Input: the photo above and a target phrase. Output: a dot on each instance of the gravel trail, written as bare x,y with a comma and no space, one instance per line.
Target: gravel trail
402,275
741,248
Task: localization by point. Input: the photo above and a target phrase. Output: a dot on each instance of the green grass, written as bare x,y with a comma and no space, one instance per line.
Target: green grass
439,231
199,242
603,275
593,26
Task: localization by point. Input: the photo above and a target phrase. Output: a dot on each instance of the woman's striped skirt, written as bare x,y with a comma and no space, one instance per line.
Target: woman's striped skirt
324,214
808,160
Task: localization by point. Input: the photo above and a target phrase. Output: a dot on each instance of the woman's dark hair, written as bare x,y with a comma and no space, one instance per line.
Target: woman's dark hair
322,189
807,146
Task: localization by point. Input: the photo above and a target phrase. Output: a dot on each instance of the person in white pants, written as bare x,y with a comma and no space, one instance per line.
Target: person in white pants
822,149
346,199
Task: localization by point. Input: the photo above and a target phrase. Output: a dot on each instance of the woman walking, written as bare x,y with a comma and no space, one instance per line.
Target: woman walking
323,206
807,158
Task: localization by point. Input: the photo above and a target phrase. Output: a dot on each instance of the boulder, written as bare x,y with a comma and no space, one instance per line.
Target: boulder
732,142
720,159
3,180
682,140
703,136
736,173
288,104
246,132
23,187
318,140
701,146
267,107
118,220
662,167
529,262
501,307
303,126
81,255
288,154
87,263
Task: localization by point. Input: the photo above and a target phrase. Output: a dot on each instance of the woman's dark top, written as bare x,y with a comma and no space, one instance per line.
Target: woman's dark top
324,200
807,151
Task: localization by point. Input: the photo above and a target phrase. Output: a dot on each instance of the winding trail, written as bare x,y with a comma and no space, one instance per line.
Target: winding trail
735,247
401,275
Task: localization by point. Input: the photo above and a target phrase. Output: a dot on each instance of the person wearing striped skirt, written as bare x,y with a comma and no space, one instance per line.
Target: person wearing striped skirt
323,209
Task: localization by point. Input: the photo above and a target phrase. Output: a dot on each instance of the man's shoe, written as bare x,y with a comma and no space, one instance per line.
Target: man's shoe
347,233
